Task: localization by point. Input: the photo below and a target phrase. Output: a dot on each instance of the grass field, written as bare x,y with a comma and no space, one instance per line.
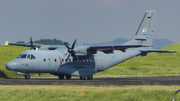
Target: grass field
87,93
154,64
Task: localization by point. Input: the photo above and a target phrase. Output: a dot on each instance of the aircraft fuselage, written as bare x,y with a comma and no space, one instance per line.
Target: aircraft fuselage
55,62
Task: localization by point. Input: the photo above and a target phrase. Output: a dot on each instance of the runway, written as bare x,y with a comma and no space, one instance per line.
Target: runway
164,80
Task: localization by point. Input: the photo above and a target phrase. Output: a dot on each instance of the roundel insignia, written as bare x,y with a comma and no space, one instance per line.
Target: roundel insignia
113,57
144,30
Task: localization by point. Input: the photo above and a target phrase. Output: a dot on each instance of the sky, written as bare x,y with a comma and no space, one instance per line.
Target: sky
88,21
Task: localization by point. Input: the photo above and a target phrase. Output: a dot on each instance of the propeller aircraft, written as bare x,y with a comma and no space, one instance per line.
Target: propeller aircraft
83,61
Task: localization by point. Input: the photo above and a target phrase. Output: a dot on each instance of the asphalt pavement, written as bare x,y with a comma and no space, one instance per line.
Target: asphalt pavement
162,80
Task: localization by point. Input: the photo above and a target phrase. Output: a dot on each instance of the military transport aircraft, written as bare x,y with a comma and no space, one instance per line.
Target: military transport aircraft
83,61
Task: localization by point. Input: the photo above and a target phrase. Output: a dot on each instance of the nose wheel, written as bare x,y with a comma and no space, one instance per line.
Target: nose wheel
27,76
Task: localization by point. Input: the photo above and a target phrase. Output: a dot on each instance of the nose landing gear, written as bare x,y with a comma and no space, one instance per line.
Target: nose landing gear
27,76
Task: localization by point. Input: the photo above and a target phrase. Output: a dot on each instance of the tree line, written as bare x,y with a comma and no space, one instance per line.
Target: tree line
46,42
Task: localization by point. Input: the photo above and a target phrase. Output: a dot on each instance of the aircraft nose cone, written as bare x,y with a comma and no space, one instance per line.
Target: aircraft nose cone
11,65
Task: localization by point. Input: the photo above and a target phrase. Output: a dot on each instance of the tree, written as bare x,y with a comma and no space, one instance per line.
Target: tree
49,41
20,42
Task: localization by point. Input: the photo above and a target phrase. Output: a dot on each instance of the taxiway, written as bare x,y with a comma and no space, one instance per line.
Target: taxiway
164,80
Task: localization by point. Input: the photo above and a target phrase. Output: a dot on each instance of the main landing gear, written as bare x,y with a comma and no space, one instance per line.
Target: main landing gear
61,76
68,77
88,77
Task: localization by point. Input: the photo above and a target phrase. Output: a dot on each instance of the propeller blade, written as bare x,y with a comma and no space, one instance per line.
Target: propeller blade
32,46
67,46
74,56
73,44
68,57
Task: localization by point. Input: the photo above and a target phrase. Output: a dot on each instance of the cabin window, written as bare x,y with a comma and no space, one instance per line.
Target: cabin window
66,60
86,60
69,60
90,60
44,60
55,60
62,60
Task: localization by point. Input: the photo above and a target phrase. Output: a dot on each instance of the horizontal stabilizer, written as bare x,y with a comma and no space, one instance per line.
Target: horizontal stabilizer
158,51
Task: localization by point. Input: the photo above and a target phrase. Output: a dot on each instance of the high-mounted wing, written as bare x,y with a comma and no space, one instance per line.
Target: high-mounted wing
116,47
36,47
26,45
109,49
39,47
88,50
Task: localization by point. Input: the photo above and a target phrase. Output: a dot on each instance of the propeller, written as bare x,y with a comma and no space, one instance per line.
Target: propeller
32,46
71,50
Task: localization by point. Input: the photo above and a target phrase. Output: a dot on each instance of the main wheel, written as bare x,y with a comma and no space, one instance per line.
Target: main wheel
61,76
27,76
90,77
82,77
68,77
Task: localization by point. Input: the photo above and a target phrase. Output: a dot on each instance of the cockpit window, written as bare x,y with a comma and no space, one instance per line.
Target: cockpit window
23,56
29,56
19,56
33,57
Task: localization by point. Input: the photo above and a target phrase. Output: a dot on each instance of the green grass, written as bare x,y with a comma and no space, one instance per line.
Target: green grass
152,64
65,95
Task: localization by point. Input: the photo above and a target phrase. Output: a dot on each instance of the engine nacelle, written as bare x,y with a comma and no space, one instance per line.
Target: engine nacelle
83,50
43,47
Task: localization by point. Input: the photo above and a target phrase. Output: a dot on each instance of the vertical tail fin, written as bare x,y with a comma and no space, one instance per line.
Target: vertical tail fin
144,34
6,43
